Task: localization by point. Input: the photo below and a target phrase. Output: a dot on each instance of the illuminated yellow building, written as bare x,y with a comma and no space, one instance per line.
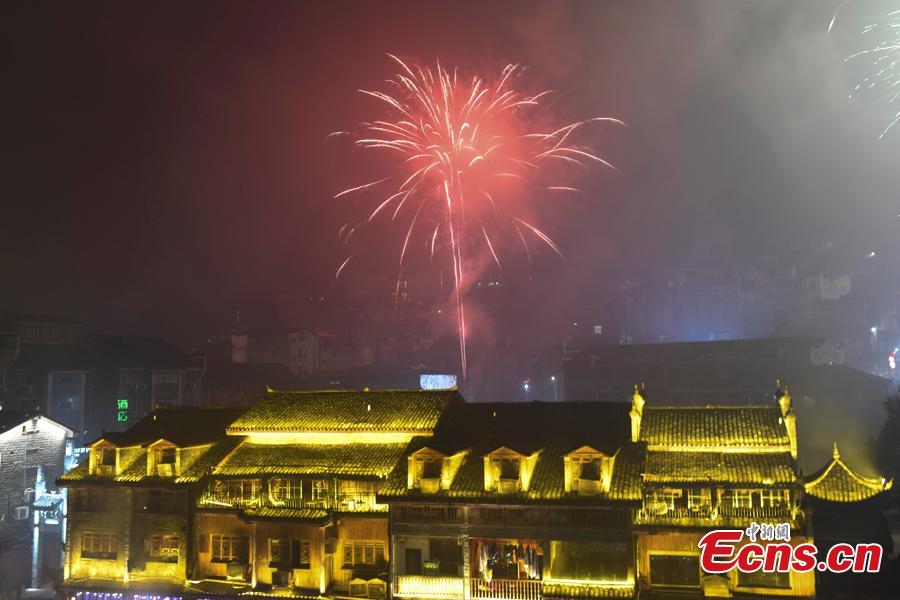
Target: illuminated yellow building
418,494
517,502
130,516
277,501
715,467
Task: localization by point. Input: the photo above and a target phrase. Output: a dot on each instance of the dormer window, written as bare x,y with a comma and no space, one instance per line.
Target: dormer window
588,471
426,470
165,456
509,468
166,459
104,461
107,457
430,479
507,471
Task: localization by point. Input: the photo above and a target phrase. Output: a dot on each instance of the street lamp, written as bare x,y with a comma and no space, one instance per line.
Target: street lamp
526,387
555,390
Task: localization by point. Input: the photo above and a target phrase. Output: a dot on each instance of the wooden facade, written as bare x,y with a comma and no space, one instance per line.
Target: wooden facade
421,495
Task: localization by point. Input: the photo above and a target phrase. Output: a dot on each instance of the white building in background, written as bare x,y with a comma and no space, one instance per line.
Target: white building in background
34,452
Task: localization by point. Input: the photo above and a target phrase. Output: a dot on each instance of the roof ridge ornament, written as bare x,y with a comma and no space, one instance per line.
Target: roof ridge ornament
784,400
638,400
836,453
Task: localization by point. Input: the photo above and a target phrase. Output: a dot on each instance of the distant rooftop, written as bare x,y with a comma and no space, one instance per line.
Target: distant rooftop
43,319
749,348
837,482
13,418
183,426
104,351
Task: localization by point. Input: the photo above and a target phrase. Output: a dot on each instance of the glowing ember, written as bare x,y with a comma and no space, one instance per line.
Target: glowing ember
465,159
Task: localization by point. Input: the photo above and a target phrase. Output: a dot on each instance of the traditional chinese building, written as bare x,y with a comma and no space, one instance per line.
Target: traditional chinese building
294,505
279,501
131,517
418,494
516,501
847,507
715,467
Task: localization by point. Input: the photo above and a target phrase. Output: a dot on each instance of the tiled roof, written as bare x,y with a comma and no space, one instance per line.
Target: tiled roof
722,467
414,411
837,482
47,501
530,426
304,515
183,426
78,473
626,476
205,463
551,430
136,470
359,460
714,426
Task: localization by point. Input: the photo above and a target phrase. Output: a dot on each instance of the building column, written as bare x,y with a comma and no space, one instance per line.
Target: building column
253,556
467,576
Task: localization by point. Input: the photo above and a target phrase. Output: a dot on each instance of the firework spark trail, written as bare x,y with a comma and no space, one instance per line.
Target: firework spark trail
883,80
457,143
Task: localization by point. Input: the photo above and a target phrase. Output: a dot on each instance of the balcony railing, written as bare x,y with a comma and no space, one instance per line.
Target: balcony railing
423,586
756,512
343,502
723,515
442,587
214,500
505,589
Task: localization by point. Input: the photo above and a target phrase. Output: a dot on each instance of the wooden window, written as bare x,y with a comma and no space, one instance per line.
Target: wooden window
589,560
289,554
679,570
508,468
590,469
428,467
772,498
163,502
165,456
699,498
668,497
228,548
106,457
244,489
357,495
162,548
98,545
360,553
286,489
741,499
315,491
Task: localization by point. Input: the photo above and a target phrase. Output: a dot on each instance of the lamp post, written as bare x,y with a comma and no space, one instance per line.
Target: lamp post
526,386
555,390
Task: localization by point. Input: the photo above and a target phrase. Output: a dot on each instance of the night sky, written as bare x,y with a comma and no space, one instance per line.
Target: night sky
166,161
